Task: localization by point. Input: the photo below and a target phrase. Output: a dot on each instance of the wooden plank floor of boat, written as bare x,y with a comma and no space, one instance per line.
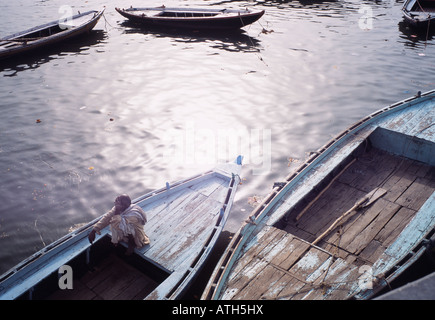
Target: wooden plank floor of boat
366,234
112,279
281,263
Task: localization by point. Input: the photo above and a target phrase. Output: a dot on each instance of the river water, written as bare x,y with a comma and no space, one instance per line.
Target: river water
125,110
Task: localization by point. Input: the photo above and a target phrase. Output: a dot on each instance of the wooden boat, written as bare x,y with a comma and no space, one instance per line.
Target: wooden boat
192,18
185,220
48,34
419,13
348,221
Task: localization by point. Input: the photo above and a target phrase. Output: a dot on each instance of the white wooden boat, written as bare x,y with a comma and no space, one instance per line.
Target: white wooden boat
192,18
350,220
48,34
185,220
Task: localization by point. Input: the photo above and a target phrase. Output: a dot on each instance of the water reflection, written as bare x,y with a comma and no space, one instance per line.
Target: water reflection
414,34
34,59
236,41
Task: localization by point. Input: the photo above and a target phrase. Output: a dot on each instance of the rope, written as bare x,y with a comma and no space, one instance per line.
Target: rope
39,232
428,22
107,23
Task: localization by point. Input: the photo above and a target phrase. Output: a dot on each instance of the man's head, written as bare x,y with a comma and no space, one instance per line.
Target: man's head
122,202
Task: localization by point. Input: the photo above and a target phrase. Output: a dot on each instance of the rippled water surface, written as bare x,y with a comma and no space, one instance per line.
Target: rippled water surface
126,109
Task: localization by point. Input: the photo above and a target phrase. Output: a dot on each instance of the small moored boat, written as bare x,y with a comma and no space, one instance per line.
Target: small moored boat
348,221
48,34
185,220
192,18
419,13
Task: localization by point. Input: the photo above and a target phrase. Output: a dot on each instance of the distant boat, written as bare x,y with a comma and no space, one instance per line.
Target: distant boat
48,34
185,220
193,18
348,221
419,13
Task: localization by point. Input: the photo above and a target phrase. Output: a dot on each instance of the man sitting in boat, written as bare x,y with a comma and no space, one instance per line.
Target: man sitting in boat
126,222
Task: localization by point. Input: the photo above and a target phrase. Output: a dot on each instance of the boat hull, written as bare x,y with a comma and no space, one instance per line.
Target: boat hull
419,14
422,23
13,46
185,220
195,23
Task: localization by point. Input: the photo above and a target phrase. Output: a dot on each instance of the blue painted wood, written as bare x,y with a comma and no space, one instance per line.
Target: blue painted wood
400,144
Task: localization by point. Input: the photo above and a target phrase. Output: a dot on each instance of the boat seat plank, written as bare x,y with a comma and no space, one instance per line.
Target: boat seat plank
268,280
270,267
290,253
337,282
250,254
158,211
249,259
254,261
288,267
314,283
407,121
179,243
176,224
184,223
159,225
258,287
286,288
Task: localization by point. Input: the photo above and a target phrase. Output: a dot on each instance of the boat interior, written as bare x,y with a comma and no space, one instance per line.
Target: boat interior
186,14
31,35
105,273
364,234
44,32
424,6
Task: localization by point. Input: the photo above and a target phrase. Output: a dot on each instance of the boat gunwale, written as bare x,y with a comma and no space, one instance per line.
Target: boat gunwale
225,264
235,12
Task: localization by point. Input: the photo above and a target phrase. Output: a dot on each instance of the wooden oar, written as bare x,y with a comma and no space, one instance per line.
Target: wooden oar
367,200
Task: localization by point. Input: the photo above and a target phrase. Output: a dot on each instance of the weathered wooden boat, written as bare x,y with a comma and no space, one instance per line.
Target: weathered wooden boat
192,18
419,13
348,221
185,220
48,34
